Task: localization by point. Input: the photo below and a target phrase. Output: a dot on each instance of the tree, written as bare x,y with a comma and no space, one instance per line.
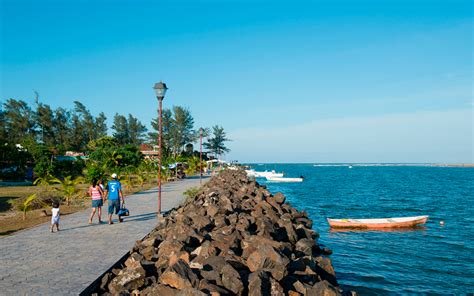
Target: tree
166,136
136,130
87,122
44,118
3,126
77,137
62,129
121,134
18,120
216,142
182,130
100,126
178,130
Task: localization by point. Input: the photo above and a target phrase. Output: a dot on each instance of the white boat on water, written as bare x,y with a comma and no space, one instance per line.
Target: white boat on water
265,174
379,223
284,180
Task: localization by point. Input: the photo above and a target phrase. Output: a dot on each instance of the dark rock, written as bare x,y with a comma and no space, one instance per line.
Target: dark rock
324,288
105,279
325,270
231,279
276,288
128,279
279,198
305,246
207,287
190,292
159,289
179,276
268,259
232,238
259,284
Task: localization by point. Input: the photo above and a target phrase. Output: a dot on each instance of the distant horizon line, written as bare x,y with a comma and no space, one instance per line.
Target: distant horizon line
369,163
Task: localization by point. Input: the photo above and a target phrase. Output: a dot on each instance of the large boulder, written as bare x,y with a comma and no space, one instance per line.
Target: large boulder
179,276
266,258
259,284
231,279
128,279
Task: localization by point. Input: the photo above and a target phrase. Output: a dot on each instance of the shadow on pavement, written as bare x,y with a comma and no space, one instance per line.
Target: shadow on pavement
142,217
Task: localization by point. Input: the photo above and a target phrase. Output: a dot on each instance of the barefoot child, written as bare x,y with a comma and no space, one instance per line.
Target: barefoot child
55,216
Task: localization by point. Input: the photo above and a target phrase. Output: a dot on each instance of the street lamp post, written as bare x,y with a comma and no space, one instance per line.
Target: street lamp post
160,91
200,156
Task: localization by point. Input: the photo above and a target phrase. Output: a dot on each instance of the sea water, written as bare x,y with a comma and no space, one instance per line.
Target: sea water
433,259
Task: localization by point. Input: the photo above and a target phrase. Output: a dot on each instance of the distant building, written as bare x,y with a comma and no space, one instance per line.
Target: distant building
149,151
75,154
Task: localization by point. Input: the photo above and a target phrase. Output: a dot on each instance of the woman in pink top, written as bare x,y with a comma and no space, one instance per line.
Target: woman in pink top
96,193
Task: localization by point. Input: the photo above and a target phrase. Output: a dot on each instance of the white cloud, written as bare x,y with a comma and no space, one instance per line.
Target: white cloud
444,136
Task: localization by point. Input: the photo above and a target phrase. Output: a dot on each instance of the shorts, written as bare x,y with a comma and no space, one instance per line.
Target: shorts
97,203
55,220
114,204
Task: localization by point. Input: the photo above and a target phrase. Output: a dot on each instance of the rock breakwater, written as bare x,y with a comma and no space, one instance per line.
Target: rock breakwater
232,238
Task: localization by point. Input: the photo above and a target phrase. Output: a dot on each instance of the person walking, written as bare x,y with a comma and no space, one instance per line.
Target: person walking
97,195
114,195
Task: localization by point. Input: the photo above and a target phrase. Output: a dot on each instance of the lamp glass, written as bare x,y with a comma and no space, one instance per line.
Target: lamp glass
160,92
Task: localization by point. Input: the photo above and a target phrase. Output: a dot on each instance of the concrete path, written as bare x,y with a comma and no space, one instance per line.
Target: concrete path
37,262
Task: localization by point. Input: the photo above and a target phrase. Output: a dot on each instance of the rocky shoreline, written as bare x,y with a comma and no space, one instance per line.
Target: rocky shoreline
232,238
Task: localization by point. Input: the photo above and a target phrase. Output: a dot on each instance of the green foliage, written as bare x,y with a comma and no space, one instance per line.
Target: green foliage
194,165
43,157
216,142
27,204
178,130
18,121
107,159
72,168
68,186
191,193
128,131
13,161
46,181
94,172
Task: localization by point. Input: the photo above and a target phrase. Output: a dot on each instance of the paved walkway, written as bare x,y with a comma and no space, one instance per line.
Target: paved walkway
37,262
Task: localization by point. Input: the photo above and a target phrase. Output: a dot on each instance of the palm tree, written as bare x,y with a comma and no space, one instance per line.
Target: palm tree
27,204
68,186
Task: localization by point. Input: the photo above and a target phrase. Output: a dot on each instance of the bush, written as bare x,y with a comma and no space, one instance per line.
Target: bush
68,168
191,193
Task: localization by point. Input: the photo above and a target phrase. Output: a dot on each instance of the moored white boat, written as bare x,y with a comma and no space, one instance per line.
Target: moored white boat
285,180
265,174
378,223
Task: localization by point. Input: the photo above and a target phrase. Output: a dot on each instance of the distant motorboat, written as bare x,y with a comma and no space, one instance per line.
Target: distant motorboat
284,180
265,174
350,167
380,223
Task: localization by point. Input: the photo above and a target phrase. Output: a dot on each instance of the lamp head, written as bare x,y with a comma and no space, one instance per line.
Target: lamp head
160,90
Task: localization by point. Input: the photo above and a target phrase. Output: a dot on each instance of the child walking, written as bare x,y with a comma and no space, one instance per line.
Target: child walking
55,216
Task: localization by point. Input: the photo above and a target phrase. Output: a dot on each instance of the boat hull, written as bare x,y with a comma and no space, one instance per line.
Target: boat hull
285,180
383,223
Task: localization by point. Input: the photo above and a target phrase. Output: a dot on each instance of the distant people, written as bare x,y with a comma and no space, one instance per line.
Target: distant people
55,216
97,195
114,195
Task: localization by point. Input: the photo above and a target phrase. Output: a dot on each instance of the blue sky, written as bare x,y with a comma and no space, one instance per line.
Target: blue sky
290,81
